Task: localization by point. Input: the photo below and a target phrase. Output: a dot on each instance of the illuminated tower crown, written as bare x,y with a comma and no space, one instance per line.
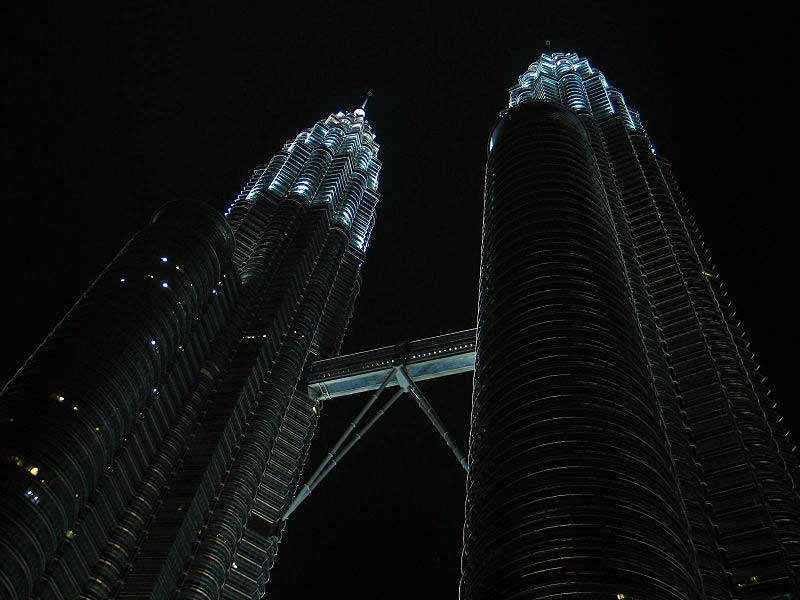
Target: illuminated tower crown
567,79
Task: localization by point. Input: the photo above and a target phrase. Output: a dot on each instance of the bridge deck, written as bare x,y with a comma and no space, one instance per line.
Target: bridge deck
428,358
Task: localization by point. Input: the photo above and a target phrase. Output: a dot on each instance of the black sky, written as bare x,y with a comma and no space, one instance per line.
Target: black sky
111,114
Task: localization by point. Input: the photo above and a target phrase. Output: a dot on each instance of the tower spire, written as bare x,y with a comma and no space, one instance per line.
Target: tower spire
364,104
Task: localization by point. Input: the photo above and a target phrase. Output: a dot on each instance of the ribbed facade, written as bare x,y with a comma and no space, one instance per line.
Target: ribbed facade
623,443
153,441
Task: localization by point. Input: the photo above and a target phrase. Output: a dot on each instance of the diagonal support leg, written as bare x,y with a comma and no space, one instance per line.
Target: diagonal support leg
408,384
353,424
333,458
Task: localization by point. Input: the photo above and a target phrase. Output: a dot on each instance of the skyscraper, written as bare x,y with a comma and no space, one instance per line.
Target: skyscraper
155,438
623,443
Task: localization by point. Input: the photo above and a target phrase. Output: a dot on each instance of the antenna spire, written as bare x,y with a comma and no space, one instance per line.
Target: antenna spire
547,48
364,104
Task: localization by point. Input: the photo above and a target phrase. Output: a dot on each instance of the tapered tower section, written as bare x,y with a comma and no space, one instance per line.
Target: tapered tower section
153,442
571,487
623,443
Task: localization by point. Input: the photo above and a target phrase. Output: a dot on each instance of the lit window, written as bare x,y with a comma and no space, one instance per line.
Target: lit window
164,259
32,496
620,596
153,342
164,284
75,408
122,280
33,470
70,534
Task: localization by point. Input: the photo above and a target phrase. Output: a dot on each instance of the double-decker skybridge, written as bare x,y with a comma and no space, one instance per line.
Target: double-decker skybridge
400,366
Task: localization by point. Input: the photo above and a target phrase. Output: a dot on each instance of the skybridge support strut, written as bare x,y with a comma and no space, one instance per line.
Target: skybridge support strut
406,383
353,424
333,458
445,355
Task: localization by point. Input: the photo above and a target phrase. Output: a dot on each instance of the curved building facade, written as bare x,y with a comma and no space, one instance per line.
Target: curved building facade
89,409
154,440
622,440
571,488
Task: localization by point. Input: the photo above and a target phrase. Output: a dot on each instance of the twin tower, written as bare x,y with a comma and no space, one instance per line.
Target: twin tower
623,444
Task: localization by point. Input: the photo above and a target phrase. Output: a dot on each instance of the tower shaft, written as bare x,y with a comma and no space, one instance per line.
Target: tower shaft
159,433
729,516
571,487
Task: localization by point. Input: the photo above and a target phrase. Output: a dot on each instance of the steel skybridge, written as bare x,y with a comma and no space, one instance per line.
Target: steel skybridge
399,366
429,358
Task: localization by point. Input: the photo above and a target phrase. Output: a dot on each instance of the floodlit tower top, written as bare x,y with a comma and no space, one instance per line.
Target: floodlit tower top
359,112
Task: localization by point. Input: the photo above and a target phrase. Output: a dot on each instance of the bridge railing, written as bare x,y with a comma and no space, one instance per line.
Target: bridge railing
423,359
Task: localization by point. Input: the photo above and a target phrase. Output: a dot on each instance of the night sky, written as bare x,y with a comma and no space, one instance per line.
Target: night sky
112,114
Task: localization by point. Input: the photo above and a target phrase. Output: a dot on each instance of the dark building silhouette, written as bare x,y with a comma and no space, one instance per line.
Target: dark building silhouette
623,443
151,444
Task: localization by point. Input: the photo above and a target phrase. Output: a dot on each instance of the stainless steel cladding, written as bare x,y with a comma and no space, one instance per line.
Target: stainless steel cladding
623,443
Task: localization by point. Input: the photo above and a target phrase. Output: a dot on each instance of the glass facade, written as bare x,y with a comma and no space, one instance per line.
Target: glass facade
625,445
153,441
